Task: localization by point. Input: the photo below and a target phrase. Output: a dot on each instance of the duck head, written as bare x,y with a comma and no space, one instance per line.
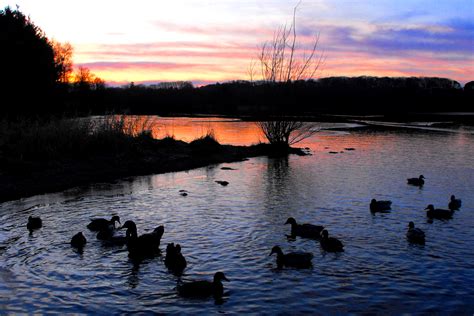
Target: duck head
291,221
453,197
159,230
219,276
430,207
373,201
131,228
177,248
324,234
421,177
170,247
276,250
411,225
114,219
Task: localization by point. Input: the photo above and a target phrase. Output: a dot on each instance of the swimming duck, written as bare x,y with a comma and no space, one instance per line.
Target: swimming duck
143,245
304,230
34,223
454,204
380,206
204,288
415,235
292,259
417,181
438,213
223,183
175,260
101,223
78,240
330,244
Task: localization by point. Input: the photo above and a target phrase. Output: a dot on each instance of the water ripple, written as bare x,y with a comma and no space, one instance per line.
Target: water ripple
233,229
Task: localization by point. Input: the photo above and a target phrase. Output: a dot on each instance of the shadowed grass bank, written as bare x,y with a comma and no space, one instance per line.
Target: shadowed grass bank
40,156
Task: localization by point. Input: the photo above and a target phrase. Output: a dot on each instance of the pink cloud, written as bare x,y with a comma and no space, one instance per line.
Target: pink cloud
349,50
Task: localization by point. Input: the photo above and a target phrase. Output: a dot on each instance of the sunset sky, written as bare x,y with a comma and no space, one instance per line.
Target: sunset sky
208,41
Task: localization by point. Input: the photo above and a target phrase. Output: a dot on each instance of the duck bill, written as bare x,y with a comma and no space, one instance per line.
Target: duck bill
225,279
271,253
287,222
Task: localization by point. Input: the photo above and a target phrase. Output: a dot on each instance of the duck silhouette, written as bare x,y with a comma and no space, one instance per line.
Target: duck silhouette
438,213
292,259
415,235
101,223
175,260
78,240
203,288
143,245
304,230
34,223
454,204
417,181
330,244
223,183
380,206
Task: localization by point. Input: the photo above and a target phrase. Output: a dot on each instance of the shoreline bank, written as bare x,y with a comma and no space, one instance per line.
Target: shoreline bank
160,156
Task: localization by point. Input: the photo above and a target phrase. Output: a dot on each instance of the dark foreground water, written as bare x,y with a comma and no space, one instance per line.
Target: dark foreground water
233,228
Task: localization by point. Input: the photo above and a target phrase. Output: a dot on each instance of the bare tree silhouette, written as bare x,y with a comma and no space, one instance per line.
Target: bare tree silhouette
282,59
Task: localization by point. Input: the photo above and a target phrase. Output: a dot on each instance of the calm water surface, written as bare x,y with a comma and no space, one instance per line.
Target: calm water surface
233,229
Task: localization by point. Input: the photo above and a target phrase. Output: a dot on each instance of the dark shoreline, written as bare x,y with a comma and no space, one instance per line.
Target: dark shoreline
161,156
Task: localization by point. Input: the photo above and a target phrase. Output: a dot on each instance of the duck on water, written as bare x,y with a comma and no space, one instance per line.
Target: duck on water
454,204
330,244
415,235
143,245
175,260
101,223
438,213
34,223
304,230
380,206
292,259
78,240
203,288
420,181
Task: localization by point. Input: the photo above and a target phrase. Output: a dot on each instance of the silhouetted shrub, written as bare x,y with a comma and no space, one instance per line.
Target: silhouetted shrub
56,139
206,143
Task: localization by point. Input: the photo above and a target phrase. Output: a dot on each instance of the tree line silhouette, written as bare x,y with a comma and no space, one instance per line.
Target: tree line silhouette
38,78
37,72
359,95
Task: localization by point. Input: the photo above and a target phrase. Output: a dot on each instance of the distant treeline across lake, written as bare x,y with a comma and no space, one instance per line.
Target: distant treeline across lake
336,95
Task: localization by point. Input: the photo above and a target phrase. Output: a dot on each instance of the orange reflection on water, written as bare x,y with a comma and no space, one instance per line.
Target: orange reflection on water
226,131
237,132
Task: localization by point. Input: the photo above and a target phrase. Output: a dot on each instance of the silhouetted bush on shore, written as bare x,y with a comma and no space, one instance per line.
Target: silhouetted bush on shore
55,139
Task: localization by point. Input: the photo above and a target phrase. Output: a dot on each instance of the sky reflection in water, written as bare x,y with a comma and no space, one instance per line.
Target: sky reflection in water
233,229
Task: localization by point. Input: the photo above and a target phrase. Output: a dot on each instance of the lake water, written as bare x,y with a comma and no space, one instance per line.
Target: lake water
233,228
